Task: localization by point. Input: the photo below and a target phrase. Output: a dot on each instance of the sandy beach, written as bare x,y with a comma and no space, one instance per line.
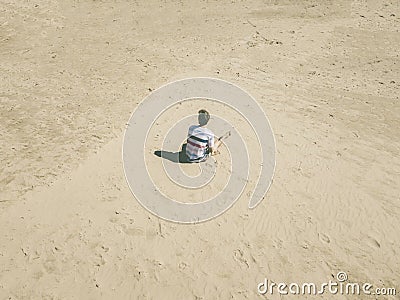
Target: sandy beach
326,73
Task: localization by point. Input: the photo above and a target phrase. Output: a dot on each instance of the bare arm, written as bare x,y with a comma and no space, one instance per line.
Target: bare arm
218,141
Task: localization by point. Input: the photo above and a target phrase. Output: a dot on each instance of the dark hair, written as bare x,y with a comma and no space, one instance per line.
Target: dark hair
204,117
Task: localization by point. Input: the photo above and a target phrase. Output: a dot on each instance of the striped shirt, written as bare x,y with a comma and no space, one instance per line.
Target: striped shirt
199,140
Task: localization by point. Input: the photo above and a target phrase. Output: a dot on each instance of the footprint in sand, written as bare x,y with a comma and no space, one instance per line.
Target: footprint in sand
182,266
373,242
239,257
324,238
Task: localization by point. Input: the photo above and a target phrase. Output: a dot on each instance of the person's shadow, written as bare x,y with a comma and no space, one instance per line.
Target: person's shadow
176,157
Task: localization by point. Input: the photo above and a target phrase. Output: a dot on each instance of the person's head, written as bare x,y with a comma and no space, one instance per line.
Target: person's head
204,117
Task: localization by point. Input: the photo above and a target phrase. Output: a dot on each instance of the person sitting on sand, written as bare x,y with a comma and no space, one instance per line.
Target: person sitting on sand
201,140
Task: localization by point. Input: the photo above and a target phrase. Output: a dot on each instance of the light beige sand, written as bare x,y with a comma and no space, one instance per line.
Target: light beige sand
71,72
